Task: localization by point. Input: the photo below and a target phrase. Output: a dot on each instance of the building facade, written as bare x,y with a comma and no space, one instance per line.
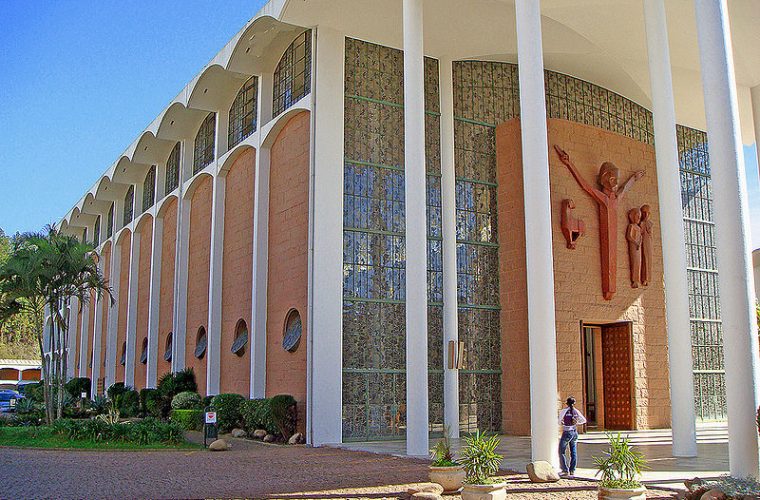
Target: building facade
524,217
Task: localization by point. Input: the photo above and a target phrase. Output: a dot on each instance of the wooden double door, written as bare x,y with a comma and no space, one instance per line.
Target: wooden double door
608,375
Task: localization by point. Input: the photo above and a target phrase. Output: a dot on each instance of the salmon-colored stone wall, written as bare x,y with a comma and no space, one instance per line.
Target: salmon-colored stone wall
237,271
105,305
143,297
166,307
287,282
78,338
123,304
577,273
198,276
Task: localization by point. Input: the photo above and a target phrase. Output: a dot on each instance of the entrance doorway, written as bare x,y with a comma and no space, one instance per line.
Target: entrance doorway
608,375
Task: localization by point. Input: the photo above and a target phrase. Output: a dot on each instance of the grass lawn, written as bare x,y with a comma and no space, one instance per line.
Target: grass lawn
43,437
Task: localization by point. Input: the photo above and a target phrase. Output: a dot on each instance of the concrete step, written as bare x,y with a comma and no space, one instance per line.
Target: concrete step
706,433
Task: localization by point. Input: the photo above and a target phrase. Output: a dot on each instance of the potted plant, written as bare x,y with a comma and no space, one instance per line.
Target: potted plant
481,462
619,469
444,470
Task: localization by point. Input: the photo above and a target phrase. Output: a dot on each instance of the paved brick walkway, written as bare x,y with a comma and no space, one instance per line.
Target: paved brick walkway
248,470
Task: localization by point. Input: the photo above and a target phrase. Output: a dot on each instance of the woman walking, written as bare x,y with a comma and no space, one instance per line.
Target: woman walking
569,419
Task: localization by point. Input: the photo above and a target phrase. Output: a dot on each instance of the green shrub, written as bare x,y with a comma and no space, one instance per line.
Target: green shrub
257,414
148,431
284,414
116,389
191,420
76,386
126,399
207,401
227,410
185,381
98,404
148,399
35,392
187,401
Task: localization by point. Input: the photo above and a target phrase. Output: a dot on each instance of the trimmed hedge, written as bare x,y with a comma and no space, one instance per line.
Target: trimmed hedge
187,401
277,415
227,410
257,414
77,385
285,414
191,420
147,431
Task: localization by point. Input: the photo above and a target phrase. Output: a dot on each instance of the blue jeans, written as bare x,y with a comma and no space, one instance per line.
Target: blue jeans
568,437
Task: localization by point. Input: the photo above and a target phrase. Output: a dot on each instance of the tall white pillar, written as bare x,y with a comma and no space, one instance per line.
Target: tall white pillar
84,341
683,420
214,333
154,301
542,336
181,257
449,216
71,339
97,333
113,317
740,345
326,302
130,335
755,93
416,231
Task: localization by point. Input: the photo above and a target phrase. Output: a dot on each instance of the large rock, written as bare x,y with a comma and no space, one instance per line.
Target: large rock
296,438
430,491
259,434
269,438
542,472
693,483
218,445
238,433
713,494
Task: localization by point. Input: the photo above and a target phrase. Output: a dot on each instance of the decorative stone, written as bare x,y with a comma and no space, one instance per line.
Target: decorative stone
259,434
425,495
425,490
713,494
542,472
218,445
496,491
450,478
693,483
238,433
269,438
296,438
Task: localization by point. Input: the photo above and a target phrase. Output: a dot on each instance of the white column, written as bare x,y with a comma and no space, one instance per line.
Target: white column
154,301
740,344
84,341
113,318
326,300
130,335
214,333
181,257
222,127
755,93
448,208
683,417
416,232
258,327
542,337
98,333
71,339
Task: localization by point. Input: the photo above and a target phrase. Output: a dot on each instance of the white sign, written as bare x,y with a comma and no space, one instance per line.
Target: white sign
210,417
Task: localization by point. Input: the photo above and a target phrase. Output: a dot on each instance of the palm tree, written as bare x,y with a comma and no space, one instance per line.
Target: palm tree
47,270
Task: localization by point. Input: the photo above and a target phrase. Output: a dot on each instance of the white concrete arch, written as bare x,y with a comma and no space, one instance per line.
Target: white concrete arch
215,88
92,205
180,122
162,206
193,183
118,238
140,220
273,128
128,172
233,155
150,150
260,46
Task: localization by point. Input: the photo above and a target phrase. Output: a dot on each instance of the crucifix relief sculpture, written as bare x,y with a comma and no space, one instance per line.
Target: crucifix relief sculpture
608,199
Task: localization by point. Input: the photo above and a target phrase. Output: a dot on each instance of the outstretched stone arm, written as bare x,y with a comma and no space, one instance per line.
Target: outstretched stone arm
565,158
630,182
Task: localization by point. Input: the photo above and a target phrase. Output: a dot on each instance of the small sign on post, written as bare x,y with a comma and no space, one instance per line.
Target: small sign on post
210,429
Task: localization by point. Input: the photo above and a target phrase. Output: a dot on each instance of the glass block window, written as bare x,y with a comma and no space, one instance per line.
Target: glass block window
96,232
243,113
172,170
292,77
374,362
204,144
129,205
201,341
704,303
241,338
109,227
149,189
144,351
168,347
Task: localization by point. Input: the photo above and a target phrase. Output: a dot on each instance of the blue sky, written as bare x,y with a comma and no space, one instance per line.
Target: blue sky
80,79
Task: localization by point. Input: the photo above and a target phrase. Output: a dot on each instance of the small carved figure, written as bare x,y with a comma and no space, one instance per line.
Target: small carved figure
633,235
646,244
572,228
607,199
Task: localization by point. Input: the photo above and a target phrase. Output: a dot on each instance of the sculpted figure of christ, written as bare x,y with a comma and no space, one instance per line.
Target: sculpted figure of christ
608,199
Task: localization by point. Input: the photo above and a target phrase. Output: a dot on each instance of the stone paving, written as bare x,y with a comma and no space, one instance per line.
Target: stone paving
248,470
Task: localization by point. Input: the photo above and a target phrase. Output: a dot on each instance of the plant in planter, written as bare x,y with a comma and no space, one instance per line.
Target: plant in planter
481,462
620,469
444,470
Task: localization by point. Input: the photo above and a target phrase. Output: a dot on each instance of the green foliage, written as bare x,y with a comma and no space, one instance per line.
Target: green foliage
126,399
187,401
227,410
145,432
734,487
441,454
76,386
621,465
479,458
35,392
149,402
257,414
191,420
185,381
207,400
284,414
169,385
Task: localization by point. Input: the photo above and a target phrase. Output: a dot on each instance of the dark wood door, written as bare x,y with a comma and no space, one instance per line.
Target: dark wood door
616,373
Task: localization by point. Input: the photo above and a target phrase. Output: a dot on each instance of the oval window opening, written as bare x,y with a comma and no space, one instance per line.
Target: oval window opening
201,341
293,328
144,352
168,348
123,360
241,338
